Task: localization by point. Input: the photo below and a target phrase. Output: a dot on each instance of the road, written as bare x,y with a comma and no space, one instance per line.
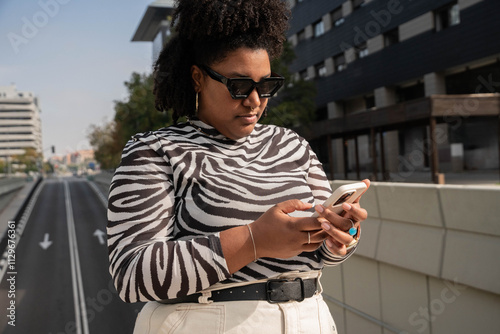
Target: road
58,282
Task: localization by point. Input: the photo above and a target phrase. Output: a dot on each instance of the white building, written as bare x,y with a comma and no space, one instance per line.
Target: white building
20,123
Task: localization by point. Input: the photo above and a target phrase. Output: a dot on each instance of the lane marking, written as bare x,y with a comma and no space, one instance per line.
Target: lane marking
82,325
46,242
101,236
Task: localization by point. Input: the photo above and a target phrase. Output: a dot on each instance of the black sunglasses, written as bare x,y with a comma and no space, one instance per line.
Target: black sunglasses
241,88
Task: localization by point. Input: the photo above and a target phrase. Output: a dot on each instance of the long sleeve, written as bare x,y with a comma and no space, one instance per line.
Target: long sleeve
321,190
147,262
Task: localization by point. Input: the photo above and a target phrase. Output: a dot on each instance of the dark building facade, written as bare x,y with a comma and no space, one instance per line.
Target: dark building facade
403,86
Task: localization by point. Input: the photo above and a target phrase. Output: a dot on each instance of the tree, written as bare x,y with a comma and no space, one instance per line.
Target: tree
29,160
138,113
48,167
106,149
294,105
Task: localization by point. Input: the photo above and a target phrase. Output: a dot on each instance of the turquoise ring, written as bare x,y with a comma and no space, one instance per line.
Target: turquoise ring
352,231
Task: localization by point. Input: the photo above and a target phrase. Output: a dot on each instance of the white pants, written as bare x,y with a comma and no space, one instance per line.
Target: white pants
237,317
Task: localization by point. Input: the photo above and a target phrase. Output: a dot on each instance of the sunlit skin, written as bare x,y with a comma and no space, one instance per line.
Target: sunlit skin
232,118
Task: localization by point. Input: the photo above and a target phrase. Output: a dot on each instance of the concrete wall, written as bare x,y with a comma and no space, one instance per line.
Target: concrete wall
13,193
416,26
428,262
10,184
103,181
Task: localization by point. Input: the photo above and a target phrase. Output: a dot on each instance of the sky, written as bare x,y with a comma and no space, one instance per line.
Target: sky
75,56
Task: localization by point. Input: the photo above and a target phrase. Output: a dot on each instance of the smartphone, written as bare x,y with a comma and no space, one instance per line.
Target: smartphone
346,193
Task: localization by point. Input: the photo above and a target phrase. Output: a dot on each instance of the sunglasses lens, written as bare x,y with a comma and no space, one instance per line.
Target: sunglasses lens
268,88
241,88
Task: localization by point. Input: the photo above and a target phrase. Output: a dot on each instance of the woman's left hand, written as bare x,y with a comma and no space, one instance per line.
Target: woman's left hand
337,227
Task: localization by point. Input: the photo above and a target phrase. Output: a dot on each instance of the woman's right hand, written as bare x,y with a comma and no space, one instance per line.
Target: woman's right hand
278,235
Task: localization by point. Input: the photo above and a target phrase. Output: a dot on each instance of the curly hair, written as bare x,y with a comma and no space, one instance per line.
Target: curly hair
205,31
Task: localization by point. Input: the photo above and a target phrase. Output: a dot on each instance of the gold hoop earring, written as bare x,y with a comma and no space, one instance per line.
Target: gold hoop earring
196,104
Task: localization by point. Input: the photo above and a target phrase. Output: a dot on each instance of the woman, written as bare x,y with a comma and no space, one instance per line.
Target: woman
204,216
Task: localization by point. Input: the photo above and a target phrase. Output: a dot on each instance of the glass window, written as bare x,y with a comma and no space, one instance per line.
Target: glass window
391,37
319,28
447,16
357,3
303,74
362,50
339,62
337,17
321,69
455,15
301,35
369,101
411,92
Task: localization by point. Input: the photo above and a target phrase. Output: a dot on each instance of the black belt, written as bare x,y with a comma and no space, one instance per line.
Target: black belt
274,291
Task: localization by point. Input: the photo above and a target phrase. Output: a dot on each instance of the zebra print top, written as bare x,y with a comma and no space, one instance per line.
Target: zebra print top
178,187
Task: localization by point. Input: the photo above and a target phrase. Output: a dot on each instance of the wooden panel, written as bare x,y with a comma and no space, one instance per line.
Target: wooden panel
466,105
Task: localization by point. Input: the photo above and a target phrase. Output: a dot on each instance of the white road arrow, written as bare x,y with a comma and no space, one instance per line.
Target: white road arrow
100,235
45,243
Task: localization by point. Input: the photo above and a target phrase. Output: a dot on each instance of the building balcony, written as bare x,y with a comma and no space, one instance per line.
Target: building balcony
444,107
437,133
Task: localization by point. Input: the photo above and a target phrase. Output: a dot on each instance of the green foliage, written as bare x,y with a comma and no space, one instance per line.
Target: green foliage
294,105
28,162
106,148
48,167
138,114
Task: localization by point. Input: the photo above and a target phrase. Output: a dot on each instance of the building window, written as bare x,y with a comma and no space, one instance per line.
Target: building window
362,51
301,35
304,75
337,17
410,92
319,28
370,101
339,62
446,17
391,37
321,114
321,69
357,3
